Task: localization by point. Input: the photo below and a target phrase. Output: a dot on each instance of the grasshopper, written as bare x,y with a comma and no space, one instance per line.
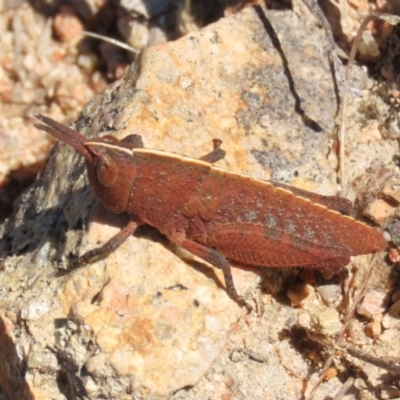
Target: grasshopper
213,213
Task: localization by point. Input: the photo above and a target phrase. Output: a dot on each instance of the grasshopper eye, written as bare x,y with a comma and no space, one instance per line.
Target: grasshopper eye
107,170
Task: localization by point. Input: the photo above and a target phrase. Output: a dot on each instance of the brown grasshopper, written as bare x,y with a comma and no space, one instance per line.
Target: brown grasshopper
213,213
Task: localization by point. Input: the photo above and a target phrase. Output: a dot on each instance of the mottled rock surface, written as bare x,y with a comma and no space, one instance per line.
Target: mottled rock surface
147,323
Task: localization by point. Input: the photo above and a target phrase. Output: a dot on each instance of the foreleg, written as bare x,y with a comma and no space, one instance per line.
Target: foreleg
107,248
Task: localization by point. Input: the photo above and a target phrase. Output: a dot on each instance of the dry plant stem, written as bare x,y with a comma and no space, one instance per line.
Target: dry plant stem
389,365
115,42
360,295
317,384
344,389
259,302
391,19
251,354
289,368
347,319
257,357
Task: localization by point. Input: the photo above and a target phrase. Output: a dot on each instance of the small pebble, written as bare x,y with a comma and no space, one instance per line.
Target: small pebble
374,302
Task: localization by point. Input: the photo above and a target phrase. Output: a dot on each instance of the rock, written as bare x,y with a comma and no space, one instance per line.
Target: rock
67,25
326,321
374,302
373,329
331,294
144,322
300,293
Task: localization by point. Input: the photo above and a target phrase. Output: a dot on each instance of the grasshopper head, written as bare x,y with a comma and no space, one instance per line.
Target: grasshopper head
111,172
109,163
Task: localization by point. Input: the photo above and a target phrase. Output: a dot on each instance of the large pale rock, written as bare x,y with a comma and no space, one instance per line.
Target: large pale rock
146,322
